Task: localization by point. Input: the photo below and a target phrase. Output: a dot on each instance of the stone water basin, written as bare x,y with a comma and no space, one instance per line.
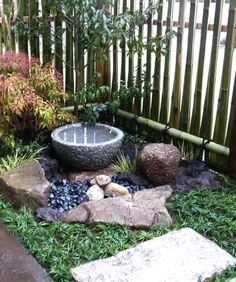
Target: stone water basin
87,147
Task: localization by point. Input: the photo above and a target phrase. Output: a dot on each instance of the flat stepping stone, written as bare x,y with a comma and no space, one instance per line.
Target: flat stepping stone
16,265
182,255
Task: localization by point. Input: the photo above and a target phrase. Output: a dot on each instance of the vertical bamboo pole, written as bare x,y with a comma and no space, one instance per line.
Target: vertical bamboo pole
207,121
147,82
115,54
34,41
176,96
129,103
166,82
187,92
137,100
197,111
90,66
231,136
155,107
129,100
7,34
23,45
46,35
123,63
232,118
69,59
79,69
123,53
223,101
58,44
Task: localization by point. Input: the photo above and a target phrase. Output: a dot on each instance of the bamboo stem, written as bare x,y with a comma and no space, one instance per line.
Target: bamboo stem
165,103
223,101
156,93
176,96
197,111
147,82
187,92
207,121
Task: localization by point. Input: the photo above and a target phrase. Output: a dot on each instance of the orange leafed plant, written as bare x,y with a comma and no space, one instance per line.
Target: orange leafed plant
30,98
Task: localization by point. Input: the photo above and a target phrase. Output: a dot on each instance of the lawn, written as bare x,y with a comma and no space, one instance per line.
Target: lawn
59,246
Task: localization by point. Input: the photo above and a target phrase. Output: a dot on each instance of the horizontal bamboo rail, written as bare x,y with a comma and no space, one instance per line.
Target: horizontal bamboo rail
172,132
175,133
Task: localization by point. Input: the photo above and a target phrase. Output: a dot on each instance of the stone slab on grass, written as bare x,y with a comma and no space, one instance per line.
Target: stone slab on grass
178,256
25,185
142,209
16,265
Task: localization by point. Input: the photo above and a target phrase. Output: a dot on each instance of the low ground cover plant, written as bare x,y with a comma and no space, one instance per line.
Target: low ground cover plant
59,246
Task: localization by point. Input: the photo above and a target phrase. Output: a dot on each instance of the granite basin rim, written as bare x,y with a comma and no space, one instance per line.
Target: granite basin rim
87,156
55,135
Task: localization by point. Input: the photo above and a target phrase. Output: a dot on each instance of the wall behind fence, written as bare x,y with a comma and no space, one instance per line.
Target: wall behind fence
193,87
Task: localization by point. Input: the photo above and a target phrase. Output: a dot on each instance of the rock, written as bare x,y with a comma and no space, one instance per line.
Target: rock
182,255
232,280
25,185
48,214
16,264
82,175
93,182
132,178
142,209
102,180
115,190
79,214
160,163
95,193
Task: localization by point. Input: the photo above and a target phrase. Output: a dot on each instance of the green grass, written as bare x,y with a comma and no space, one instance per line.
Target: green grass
19,155
124,164
59,246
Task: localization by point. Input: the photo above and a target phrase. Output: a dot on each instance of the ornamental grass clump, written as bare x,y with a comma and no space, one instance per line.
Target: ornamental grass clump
30,99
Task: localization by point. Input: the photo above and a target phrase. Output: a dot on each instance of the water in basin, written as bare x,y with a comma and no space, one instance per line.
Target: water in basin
87,135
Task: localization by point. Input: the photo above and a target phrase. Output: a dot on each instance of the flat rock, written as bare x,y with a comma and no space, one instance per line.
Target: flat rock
179,256
82,175
16,265
142,209
25,185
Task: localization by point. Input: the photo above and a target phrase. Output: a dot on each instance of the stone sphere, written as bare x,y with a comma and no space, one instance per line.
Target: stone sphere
159,162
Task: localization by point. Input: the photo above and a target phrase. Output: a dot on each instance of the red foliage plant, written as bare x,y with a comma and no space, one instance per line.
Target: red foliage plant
30,98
